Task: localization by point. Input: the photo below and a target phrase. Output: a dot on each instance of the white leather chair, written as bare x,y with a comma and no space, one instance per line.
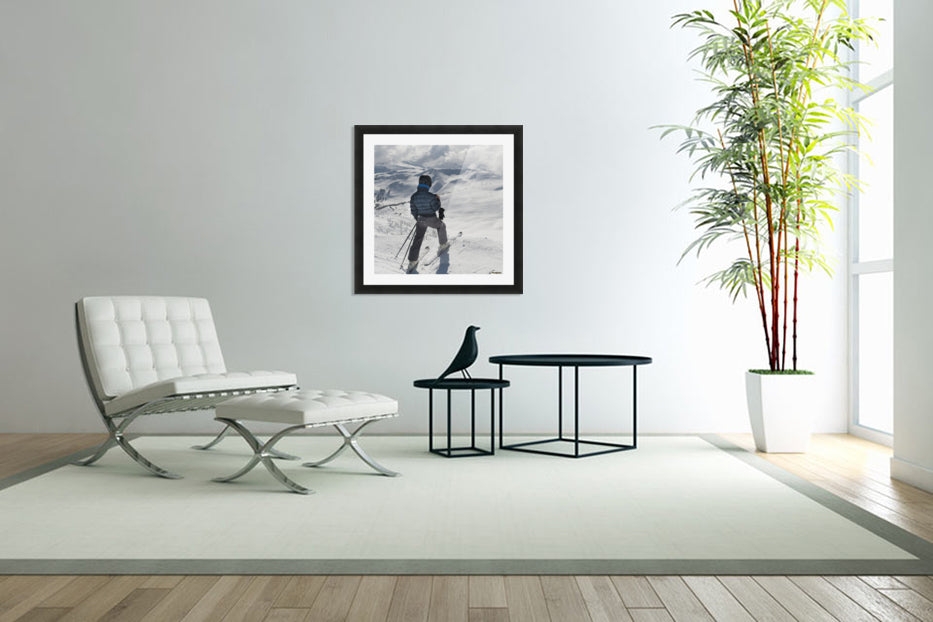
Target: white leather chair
144,355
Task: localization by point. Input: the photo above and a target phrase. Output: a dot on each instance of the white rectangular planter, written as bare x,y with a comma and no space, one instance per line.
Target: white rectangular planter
780,408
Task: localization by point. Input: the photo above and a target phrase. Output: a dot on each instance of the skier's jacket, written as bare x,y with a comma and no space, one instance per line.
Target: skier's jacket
424,203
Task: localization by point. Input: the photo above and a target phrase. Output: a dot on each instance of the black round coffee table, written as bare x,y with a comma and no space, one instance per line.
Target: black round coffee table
464,384
560,361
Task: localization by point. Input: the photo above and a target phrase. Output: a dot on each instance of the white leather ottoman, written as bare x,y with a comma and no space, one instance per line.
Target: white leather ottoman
300,410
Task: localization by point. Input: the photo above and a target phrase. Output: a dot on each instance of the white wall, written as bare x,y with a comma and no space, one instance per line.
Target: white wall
205,148
913,266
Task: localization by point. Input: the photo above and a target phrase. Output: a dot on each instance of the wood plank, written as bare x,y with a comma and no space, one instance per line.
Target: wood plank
794,599
563,598
14,587
450,599
679,601
218,600
921,585
105,598
137,604
334,600
44,614
21,594
411,600
879,583
650,615
489,614
861,475
913,602
873,601
603,602
758,602
487,591
181,598
526,599
21,452
300,592
76,591
636,592
257,599
832,600
168,581
717,600
286,614
373,599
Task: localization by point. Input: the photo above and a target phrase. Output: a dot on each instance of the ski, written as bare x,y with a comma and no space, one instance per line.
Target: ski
424,252
446,251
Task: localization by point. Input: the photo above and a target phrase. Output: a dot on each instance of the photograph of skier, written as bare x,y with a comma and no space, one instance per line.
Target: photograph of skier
427,211
429,183
437,210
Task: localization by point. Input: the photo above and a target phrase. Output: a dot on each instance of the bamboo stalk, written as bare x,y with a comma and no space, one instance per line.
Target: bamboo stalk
760,274
796,272
782,227
769,207
759,284
784,336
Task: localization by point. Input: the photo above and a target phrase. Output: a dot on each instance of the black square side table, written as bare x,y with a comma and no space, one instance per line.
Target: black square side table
463,384
573,444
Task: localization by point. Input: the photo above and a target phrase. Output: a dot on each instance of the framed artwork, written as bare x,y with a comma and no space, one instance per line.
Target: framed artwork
438,209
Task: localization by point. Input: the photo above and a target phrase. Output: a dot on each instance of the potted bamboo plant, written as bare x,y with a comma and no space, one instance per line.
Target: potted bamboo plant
767,148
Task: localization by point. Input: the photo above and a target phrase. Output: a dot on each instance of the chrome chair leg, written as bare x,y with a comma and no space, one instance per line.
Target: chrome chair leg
149,466
339,451
117,438
101,450
262,453
350,440
220,436
281,455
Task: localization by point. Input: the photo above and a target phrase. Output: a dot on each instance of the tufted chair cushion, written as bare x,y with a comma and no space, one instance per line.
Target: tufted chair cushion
308,406
200,384
134,341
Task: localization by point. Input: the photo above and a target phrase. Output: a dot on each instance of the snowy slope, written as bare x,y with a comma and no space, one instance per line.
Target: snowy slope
468,180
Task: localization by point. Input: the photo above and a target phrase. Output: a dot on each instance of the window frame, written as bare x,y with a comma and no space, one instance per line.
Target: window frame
856,268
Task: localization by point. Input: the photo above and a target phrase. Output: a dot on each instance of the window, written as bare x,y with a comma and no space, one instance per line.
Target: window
871,236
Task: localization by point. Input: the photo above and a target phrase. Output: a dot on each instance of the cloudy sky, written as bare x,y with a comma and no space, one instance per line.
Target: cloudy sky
488,157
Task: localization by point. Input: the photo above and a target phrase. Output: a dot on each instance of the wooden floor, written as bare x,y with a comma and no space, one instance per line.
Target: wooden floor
849,467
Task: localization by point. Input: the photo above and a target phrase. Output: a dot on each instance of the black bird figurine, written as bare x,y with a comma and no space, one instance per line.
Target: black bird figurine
466,356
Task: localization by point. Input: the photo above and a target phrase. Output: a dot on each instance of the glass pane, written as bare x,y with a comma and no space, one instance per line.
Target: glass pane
876,351
878,56
876,171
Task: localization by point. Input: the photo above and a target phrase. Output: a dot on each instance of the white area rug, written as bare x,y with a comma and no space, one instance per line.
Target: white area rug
675,504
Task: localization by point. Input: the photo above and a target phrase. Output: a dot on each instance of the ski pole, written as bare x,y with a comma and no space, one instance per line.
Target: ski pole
406,253
406,239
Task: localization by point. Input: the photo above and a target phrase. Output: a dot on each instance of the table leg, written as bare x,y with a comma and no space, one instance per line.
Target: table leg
473,418
430,419
634,406
448,424
576,412
560,402
492,420
500,406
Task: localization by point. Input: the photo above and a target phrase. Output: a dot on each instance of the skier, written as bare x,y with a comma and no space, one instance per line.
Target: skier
427,211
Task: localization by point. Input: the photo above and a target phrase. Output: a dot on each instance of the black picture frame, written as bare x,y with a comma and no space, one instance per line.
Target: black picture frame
389,160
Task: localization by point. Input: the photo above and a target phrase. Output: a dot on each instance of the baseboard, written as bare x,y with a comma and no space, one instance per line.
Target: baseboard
912,473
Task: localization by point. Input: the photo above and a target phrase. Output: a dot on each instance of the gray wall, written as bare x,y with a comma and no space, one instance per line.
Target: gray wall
913,266
205,148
